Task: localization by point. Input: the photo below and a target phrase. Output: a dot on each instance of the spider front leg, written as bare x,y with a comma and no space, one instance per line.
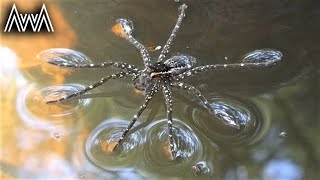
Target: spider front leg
88,88
192,90
149,95
168,97
258,59
167,46
127,28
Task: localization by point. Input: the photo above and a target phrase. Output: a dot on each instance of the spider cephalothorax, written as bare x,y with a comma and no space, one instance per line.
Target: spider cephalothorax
164,74
166,70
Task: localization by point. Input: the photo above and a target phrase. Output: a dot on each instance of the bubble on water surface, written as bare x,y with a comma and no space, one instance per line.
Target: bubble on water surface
201,168
283,134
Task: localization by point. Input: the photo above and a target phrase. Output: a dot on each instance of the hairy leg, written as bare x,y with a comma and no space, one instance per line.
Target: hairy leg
168,97
192,90
148,98
173,34
217,67
127,28
120,65
88,88
143,52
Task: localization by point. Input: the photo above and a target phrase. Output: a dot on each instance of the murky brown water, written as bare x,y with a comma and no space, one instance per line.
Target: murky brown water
277,108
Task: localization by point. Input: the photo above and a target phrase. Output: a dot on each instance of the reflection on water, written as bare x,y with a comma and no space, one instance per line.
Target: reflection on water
271,134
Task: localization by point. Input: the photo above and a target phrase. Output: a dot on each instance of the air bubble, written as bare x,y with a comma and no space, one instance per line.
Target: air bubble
57,136
201,168
83,176
283,134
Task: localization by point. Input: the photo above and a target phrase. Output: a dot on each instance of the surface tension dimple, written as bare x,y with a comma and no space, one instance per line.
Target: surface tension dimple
262,56
62,56
127,25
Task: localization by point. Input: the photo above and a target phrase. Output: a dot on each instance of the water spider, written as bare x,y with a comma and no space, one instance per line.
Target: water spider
162,75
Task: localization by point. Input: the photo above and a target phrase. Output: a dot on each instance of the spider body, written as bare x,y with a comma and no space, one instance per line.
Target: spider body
164,71
164,74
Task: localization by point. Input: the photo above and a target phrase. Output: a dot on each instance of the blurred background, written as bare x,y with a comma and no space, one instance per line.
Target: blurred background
276,108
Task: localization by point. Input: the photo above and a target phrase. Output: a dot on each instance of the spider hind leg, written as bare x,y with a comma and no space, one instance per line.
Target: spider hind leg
168,97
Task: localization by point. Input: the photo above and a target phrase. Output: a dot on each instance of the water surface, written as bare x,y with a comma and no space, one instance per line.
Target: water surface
276,110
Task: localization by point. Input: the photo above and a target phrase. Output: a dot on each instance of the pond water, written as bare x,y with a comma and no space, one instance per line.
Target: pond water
272,114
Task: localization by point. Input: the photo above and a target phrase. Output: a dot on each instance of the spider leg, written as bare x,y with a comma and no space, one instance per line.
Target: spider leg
148,98
198,94
218,67
120,65
88,88
167,46
153,113
168,97
143,52
194,91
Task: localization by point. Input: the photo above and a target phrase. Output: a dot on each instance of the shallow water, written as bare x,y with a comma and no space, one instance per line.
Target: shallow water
272,114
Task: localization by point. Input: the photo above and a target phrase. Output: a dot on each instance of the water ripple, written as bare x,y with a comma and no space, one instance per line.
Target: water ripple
33,110
63,56
100,143
236,121
157,154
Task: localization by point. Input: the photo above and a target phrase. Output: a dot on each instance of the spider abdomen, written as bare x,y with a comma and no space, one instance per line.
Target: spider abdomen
180,63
